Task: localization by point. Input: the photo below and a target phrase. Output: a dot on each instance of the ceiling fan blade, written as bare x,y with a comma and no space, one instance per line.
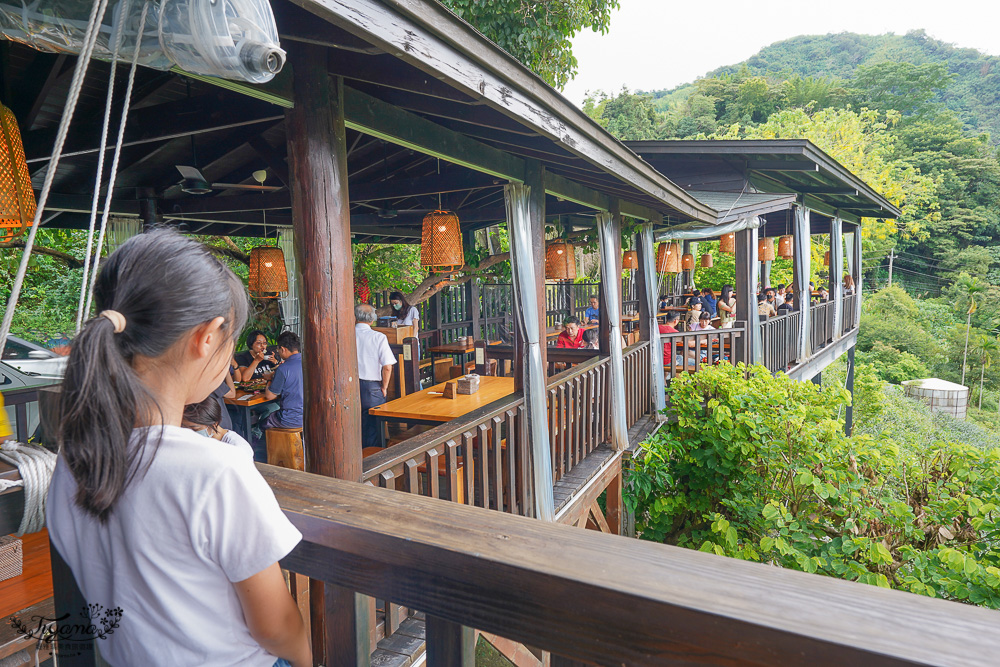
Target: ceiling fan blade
239,186
190,172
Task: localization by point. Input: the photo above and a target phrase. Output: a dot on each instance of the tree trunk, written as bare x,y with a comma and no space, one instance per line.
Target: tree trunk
982,372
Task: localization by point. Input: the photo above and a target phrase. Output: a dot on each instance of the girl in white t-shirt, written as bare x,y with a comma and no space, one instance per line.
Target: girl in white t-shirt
406,315
183,538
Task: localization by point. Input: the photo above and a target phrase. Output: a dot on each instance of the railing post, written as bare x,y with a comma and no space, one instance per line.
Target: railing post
450,644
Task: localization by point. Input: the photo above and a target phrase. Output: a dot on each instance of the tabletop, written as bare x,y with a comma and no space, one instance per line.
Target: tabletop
246,398
430,405
456,347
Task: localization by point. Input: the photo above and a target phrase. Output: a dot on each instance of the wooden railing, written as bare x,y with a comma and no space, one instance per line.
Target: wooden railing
578,410
780,340
849,315
820,324
693,349
468,568
20,400
638,382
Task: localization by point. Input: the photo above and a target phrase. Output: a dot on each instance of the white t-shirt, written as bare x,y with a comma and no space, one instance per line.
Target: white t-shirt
200,519
412,317
235,439
373,352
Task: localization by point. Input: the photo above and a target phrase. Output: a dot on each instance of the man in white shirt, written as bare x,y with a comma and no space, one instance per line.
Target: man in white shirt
375,360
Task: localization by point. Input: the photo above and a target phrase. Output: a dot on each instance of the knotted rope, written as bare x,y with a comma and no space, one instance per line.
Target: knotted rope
36,465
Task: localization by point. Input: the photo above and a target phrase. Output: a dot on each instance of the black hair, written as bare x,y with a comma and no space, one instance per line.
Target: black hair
705,315
760,297
398,296
789,297
164,285
590,335
709,291
663,297
251,337
727,291
781,285
206,413
572,319
671,316
289,340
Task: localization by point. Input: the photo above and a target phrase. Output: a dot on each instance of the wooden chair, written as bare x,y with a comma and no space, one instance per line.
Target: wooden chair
284,448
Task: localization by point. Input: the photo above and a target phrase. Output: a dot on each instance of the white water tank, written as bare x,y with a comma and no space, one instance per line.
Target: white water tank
939,395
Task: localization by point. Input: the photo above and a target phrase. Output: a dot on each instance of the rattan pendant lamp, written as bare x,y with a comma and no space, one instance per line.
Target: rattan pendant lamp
727,243
707,261
17,199
268,275
765,249
630,260
560,259
668,258
441,248
785,250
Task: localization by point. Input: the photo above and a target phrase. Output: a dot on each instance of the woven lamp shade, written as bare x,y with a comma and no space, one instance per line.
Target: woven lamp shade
668,258
441,243
267,272
687,261
765,249
560,261
727,243
17,199
706,261
826,258
630,260
785,247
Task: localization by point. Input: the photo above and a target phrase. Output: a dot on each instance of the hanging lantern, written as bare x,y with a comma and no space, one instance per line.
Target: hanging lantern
826,258
668,258
441,243
765,249
362,292
630,260
560,261
687,261
17,199
267,272
785,247
727,243
706,261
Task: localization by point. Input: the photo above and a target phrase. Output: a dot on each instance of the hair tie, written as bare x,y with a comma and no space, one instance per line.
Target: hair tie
116,318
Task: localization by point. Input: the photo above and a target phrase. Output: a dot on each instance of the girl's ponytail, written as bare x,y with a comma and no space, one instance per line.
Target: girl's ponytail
163,284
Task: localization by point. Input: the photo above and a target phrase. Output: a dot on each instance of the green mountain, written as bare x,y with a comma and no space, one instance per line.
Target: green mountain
973,94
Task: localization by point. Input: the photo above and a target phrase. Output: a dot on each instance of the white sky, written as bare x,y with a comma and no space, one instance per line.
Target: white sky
654,44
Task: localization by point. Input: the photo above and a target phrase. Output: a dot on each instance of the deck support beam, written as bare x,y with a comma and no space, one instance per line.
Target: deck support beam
317,150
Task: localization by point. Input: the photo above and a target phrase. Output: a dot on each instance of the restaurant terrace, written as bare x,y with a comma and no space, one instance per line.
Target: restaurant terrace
471,520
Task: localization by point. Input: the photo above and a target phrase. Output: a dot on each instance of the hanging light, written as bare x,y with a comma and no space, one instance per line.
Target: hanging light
441,243
630,260
785,247
17,199
706,261
727,243
687,261
765,249
668,258
267,272
826,258
560,261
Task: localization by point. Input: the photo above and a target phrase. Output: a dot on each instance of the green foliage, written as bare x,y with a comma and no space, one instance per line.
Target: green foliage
898,333
893,365
537,33
759,469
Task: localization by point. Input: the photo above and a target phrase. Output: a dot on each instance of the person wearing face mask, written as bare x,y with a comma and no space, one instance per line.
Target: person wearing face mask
203,418
405,314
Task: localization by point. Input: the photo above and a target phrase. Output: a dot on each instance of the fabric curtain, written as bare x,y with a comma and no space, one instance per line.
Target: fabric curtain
836,274
607,233
289,300
652,295
803,257
751,295
692,231
765,275
522,265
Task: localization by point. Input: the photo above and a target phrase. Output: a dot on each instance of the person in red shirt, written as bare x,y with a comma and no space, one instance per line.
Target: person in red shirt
571,335
669,327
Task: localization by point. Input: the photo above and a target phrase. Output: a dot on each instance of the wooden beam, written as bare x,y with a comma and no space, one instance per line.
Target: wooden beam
781,165
424,185
272,157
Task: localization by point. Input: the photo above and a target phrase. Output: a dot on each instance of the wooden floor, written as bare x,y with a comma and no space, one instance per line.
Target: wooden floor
404,647
572,482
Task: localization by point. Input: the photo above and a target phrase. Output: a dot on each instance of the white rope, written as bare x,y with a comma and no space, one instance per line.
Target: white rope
79,72
100,163
36,465
114,161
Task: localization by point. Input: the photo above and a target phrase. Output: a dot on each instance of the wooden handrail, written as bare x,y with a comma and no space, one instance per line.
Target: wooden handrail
656,604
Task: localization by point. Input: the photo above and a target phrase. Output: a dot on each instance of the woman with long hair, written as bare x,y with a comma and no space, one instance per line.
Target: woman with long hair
182,536
726,306
405,314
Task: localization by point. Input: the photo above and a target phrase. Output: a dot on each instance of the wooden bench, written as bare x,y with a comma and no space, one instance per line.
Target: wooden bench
284,448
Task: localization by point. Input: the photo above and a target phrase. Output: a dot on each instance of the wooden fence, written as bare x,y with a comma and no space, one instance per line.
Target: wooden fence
638,382
578,407
820,324
850,317
690,350
780,339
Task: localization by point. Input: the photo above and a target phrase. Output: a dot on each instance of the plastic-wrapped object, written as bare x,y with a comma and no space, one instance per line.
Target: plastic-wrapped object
232,39
222,38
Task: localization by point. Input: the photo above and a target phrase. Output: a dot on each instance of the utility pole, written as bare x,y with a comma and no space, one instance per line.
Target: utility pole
892,254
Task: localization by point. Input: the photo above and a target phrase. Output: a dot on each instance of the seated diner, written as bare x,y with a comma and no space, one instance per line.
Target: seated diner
593,313
571,336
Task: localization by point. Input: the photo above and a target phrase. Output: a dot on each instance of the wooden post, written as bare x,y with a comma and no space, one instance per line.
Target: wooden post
746,287
317,154
687,273
450,644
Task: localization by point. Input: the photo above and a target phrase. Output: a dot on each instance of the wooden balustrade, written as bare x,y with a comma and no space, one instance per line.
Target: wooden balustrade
19,400
638,382
651,604
849,315
578,408
780,339
690,350
821,324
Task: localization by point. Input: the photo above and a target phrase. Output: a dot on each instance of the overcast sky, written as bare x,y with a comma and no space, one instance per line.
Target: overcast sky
657,44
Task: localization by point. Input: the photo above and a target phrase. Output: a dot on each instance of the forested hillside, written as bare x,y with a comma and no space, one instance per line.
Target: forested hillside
973,94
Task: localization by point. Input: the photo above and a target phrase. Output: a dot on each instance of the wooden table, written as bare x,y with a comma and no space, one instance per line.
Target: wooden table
246,400
430,407
455,349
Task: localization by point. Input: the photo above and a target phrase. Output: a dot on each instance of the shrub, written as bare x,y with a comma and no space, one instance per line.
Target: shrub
892,365
759,469
896,332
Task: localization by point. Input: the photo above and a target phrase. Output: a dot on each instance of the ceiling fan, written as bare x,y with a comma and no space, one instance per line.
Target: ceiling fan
195,183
